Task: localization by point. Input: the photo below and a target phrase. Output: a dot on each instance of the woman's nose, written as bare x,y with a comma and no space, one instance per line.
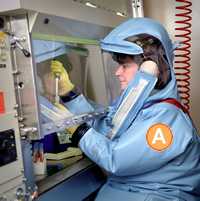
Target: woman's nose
119,70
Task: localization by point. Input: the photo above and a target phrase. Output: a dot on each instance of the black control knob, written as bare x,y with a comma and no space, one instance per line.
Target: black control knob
3,144
8,152
1,23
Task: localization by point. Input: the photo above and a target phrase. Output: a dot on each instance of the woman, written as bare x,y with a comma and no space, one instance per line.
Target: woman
155,156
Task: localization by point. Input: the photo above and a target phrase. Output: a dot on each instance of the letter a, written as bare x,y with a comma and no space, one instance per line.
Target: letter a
159,136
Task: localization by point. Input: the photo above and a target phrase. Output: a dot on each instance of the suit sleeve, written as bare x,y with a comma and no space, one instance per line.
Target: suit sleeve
79,105
130,154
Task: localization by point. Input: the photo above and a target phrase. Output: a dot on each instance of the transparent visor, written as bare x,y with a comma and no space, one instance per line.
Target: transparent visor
112,82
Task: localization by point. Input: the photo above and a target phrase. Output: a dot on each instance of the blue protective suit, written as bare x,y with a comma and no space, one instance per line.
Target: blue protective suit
135,170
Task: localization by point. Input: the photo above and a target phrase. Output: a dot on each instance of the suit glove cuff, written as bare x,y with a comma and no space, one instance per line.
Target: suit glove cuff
79,133
69,96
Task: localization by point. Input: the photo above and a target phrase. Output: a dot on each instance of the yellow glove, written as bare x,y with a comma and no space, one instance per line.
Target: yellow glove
65,85
2,35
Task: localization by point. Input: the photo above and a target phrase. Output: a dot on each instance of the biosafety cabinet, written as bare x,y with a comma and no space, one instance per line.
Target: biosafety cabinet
36,159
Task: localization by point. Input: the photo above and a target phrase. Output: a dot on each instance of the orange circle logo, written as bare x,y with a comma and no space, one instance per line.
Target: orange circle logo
159,137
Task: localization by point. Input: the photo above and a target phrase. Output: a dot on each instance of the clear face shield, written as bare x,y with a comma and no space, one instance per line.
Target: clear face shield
121,69
141,77
112,82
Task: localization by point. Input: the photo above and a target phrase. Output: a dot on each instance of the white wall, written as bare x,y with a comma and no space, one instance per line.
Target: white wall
164,11
195,81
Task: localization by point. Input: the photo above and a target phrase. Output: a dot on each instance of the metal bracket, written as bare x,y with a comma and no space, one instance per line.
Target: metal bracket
137,8
26,130
15,42
61,124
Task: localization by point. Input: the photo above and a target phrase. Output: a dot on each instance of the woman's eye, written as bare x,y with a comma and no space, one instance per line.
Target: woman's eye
126,65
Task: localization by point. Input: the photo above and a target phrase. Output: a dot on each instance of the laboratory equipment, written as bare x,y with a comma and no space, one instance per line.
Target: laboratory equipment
31,36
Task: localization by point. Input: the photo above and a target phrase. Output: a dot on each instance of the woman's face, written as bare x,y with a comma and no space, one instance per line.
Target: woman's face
126,71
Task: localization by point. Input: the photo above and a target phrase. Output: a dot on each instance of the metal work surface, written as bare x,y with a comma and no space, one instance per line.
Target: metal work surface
75,188
51,181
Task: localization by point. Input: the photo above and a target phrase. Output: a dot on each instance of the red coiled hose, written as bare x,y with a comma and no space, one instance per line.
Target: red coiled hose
182,53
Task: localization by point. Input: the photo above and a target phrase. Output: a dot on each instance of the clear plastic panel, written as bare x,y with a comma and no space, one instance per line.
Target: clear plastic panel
73,58
59,123
84,66
112,81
